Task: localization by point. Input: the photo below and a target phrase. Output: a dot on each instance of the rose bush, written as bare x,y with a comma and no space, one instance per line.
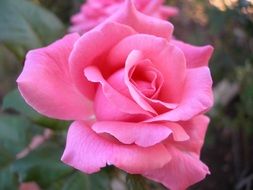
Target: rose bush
94,12
137,97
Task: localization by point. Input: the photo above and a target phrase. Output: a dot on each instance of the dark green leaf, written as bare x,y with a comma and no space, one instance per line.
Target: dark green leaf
25,24
13,100
81,181
6,158
77,181
52,123
16,133
42,165
136,182
8,180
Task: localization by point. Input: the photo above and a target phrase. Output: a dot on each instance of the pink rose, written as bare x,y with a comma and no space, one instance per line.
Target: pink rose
137,96
93,12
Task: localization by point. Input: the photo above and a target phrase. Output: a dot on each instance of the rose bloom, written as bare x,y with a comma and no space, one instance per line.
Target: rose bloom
93,12
137,97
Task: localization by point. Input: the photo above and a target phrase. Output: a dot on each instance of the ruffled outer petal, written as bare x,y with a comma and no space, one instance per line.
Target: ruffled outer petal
46,84
150,46
87,151
196,129
196,56
90,49
185,168
197,96
142,134
142,23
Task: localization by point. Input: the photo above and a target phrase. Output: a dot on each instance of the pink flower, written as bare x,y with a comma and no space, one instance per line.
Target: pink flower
137,96
94,12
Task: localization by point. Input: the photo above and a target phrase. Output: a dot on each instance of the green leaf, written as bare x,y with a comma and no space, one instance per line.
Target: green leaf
77,181
25,24
53,124
42,165
136,182
8,180
99,180
80,180
6,158
16,133
13,100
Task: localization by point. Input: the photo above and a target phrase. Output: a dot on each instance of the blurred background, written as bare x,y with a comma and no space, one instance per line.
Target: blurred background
228,151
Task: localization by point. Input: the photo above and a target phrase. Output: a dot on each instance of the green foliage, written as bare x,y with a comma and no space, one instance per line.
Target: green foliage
24,25
8,180
16,133
136,182
42,165
13,100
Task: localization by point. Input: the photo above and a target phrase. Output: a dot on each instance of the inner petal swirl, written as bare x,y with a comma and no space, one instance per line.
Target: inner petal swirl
146,79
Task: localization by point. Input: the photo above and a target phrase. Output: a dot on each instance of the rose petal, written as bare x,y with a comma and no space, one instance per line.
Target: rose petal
149,45
91,48
142,134
179,133
183,170
196,129
83,143
123,103
196,56
142,23
46,84
134,57
168,11
151,7
167,58
171,63
185,163
197,96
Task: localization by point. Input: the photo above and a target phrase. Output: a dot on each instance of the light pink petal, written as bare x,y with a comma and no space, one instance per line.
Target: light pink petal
171,63
46,84
183,170
84,26
167,58
142,134
179,133
149,103
108,94
151,7
91,49
150,46
133,59
87,151
196,56
196,129
197,96
168,11
128,15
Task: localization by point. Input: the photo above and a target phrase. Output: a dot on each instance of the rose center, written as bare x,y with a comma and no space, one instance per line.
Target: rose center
146,79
